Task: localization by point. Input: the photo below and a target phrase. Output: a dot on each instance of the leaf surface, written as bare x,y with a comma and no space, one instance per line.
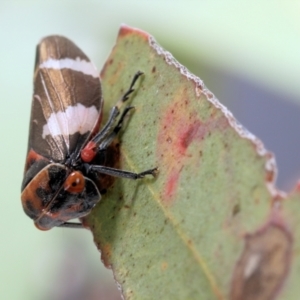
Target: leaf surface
201,228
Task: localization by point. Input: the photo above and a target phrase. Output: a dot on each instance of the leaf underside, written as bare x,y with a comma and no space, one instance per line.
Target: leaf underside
211,225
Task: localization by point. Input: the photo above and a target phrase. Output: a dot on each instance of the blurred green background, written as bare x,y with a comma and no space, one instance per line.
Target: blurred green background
247,53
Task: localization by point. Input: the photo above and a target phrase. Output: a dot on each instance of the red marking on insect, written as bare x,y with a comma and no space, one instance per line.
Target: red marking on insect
89,152
32,157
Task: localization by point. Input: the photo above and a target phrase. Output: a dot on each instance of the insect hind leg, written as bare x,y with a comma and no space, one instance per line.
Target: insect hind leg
109,129
125,97
108,140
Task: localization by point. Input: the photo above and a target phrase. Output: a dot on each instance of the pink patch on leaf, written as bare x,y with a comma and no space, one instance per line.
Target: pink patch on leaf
171,184
179,129
188,134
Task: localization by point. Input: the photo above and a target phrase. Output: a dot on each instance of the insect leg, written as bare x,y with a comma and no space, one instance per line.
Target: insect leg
107,129
122,173
108,140
71,225
131,89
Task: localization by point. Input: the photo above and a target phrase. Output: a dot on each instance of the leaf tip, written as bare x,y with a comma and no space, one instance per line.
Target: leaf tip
126,30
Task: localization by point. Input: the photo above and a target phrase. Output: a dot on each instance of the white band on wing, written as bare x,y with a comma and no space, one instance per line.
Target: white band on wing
74,119
77,64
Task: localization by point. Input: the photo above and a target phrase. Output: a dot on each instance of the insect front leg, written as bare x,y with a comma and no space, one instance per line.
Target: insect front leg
112,171
103,146
102,140
107,129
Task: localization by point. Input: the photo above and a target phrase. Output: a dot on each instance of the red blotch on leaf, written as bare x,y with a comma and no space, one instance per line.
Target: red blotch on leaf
180,127
188,134
171,184
178,130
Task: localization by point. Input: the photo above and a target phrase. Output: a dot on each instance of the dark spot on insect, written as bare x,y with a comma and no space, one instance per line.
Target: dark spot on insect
111,61
126,206
30,210
56,176
236,209
153,69
134,214
44,195
103,191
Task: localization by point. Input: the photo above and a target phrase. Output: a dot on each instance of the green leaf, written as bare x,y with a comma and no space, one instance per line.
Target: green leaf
207,225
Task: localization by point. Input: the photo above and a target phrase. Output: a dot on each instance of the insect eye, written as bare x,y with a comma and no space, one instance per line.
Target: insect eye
74,183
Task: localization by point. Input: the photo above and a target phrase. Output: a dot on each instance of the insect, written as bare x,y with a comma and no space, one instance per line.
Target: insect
66,152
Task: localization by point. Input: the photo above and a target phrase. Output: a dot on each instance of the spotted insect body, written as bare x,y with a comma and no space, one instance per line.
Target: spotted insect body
62,169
